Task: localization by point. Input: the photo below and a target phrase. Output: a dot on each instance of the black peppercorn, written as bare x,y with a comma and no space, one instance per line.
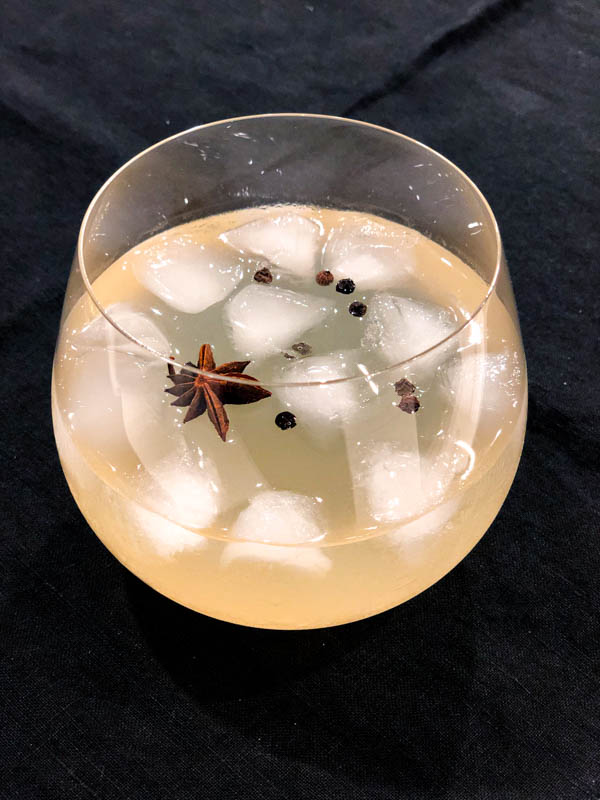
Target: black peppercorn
285,420
404,387
345,286
409,403
324,278
263,275
357,309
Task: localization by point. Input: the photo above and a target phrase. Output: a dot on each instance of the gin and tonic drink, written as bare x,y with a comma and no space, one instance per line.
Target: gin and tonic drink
297,408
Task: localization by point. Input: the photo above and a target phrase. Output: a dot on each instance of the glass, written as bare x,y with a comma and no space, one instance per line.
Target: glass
356,499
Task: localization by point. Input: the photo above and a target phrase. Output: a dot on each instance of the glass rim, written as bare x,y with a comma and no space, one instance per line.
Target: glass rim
361,376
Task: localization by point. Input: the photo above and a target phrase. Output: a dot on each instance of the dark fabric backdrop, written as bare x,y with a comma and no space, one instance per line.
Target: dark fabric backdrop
486,686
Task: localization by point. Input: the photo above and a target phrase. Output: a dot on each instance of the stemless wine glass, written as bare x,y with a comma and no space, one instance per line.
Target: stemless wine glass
330,499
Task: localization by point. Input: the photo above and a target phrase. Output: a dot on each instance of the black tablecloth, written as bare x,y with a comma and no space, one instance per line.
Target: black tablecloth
485,686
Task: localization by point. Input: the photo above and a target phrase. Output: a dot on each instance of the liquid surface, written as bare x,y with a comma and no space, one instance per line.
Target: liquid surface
355,472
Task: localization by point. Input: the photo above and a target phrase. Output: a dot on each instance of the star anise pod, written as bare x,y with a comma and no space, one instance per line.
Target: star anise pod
204,393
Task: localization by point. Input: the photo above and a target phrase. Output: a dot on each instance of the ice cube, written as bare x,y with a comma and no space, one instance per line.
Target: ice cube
430,541
191,491
120,414
380,429
104,364
129,430
91,406
164,537
233,458
71,455
309,559
187,275
395,484
282,518
289,241
126,380
499,372
483,391
185,482
328,403
99,334
264,319
398,327
372,255
430,524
